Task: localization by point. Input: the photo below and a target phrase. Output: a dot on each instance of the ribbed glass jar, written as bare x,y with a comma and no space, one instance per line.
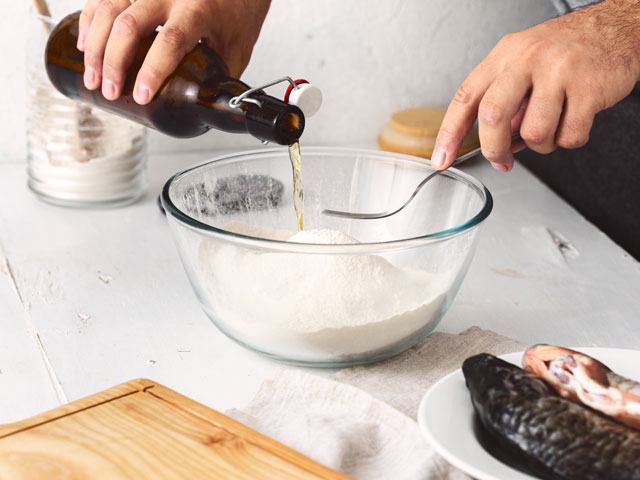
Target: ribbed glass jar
77,155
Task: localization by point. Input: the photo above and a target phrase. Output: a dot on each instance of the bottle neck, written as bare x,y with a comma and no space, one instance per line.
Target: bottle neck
274,121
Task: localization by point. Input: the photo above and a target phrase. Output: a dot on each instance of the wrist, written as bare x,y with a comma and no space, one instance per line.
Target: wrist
616,23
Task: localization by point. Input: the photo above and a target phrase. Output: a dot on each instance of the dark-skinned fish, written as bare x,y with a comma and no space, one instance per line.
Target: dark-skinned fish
552,436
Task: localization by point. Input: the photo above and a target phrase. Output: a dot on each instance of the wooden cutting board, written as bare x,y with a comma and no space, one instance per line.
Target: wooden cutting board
142,430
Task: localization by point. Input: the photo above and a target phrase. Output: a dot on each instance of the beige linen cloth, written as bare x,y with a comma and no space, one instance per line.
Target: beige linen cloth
362,420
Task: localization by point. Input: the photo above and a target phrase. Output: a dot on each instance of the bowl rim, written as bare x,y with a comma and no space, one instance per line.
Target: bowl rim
369,247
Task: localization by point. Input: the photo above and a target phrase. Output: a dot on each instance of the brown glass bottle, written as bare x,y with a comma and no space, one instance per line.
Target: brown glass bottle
194,99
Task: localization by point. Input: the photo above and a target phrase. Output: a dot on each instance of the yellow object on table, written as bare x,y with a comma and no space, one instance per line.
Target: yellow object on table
413,132
143,430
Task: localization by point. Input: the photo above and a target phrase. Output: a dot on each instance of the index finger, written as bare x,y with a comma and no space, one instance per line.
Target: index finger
461,115
176,38
85,21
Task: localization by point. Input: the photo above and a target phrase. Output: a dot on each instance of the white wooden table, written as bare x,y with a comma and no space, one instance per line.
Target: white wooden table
89,299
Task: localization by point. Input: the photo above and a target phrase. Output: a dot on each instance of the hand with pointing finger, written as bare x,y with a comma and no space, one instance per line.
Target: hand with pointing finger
547,82
110,30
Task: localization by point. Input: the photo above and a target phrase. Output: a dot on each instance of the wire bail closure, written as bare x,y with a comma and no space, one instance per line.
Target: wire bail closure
236,102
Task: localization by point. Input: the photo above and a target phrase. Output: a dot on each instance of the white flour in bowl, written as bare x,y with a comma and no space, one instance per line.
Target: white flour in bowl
315,307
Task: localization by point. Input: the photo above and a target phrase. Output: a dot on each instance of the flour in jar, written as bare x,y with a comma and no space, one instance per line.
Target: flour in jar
317,307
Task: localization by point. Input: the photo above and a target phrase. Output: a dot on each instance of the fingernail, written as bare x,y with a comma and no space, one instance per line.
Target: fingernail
82,37
141,94
90,78
108,89
438,157
500,167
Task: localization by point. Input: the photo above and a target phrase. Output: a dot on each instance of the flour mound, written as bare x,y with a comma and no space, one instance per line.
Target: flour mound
324,236
317,303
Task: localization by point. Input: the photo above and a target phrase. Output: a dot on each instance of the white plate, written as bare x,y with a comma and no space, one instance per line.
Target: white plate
445,416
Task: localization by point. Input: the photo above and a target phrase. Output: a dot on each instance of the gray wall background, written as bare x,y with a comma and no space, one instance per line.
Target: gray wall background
370,58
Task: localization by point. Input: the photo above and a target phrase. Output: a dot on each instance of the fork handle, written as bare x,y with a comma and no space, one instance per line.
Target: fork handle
474,152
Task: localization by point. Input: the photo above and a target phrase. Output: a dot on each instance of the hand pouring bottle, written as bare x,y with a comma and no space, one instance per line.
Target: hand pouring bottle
198,96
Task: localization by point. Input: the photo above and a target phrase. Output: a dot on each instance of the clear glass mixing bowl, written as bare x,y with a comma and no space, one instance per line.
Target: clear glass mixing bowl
314,303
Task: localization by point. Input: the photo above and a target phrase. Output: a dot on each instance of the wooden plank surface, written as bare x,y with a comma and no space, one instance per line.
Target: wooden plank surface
26,382
109,299
76,406
145,431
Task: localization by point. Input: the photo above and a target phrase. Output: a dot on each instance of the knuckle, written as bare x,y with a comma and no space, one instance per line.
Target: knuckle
490,154
463,94
193,14
572,140
542,148
564,65
151,75
534,49
106,8
92,59
594,92
569,58
199,5
491,112
577,125
574,132
84,18
506,40
569,142
111,71
445,136
126,23
173,37
533,135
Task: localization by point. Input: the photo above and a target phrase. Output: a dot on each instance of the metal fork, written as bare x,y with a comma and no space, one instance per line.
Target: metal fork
373,216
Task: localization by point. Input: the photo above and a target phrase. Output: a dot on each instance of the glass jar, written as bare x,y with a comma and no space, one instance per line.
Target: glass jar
77,155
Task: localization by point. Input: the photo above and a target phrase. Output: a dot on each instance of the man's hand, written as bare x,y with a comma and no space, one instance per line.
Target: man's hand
547,82
110,31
